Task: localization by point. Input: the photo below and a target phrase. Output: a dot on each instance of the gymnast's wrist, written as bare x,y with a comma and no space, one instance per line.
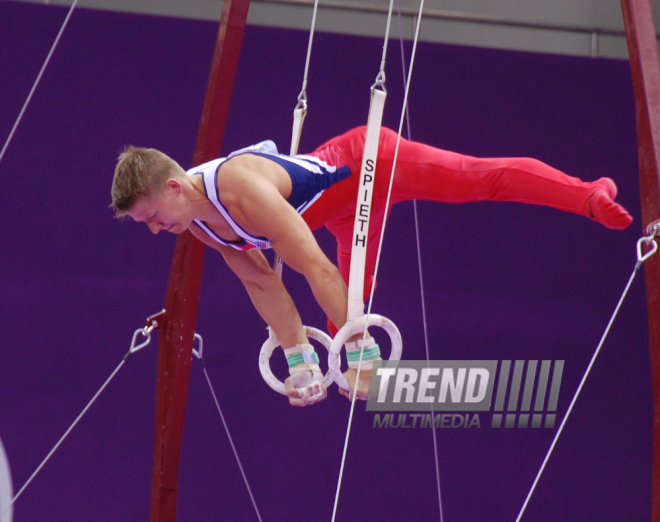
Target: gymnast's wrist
302,357
367,349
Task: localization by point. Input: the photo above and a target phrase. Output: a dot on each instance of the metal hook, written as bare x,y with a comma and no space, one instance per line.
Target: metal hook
198,353
648,240
148,329
653,228
380,82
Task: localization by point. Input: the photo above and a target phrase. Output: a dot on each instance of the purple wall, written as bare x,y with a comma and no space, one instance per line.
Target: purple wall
503,281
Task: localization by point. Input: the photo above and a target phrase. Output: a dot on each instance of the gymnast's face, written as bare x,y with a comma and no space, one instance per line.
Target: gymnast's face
167,210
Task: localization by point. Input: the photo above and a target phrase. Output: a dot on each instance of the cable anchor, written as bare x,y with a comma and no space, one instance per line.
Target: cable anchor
649,241
150,326
653,228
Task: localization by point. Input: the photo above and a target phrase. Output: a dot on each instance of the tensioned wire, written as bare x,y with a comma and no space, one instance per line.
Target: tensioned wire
145,332
382,234
62,439
199,355
36,82
303,92
231,442
421,274
2,154
640,259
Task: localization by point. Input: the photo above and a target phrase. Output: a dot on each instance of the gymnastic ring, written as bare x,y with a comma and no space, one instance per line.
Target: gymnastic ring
272,343
358,326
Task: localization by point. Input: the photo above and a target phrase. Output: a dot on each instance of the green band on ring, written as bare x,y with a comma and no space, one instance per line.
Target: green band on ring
367,355
302,358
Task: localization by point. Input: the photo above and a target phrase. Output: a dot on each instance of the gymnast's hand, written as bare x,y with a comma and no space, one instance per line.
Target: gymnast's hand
363,384
305,387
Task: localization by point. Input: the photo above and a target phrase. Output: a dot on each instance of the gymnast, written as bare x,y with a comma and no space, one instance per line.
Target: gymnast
256,199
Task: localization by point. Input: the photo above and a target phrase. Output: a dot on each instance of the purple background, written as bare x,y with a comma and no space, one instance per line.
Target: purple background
503,281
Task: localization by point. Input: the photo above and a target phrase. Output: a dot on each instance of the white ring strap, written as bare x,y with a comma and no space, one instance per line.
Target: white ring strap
363,206
356,346
298,120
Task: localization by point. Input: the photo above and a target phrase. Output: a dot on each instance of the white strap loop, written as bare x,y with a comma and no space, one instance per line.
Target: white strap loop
298,120
356,346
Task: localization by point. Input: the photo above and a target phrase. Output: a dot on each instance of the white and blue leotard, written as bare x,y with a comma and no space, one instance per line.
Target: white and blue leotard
310,176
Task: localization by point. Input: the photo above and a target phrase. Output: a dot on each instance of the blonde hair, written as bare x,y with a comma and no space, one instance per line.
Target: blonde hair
140,172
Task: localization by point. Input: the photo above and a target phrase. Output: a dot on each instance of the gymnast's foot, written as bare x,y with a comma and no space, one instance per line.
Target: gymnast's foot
601,206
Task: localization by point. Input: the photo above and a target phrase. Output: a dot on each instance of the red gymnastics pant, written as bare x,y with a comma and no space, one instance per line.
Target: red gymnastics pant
427,173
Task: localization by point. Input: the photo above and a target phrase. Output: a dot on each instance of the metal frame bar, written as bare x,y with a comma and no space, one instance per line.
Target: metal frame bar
645,68
181,301
450,16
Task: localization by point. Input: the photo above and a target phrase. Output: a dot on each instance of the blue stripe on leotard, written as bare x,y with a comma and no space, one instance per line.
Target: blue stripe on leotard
310,176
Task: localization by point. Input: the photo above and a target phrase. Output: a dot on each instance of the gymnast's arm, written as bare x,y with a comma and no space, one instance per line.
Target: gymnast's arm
266,291
256,204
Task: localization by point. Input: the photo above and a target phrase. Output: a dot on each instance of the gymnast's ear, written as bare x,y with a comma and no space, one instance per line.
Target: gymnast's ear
174,184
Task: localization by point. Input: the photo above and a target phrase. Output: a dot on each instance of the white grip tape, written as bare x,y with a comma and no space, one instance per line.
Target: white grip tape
361,346
272,343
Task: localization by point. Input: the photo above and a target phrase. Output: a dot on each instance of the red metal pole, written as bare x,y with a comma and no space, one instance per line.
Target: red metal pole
645,68
178,324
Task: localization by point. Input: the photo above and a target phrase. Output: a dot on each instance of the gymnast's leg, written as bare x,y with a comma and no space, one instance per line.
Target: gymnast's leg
425,172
